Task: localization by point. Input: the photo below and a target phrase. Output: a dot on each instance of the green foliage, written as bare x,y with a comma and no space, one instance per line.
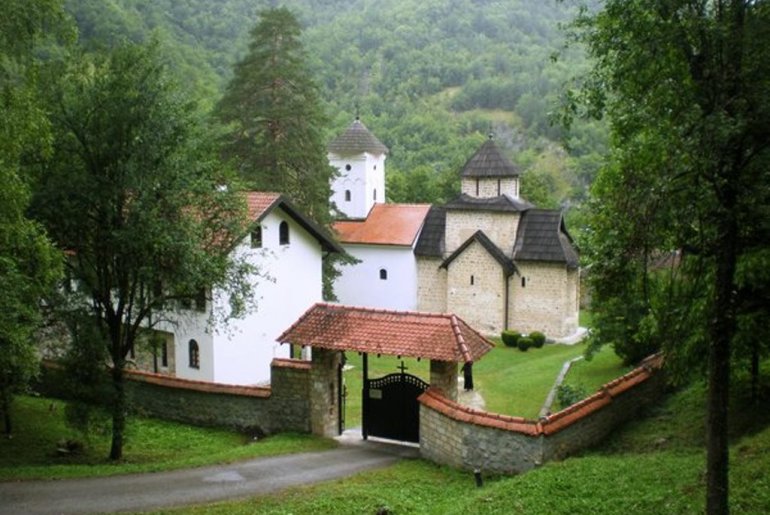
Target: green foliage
430,85
510,338
538,339
568,394
524,343
687,180
134,193
29,265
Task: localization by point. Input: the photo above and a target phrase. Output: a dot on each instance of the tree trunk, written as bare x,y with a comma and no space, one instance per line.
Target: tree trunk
755,372
722,329
6,408
118,412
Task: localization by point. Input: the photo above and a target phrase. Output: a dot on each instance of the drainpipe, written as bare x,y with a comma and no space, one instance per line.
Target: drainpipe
506,288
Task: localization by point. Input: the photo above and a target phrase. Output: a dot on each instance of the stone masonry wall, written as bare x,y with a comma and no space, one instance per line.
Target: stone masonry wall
466,438
546,302
283,407
476,290
324,392
490,187
431,285
499,227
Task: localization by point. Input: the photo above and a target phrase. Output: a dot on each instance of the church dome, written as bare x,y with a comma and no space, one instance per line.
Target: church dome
357,139
488,161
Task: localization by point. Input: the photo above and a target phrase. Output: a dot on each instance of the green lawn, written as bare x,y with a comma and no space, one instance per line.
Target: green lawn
601,369
510,381
653,465
151,445
516,383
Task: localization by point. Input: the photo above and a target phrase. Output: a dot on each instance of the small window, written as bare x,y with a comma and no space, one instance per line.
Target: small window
473,280
256,237
375,194
348,167
163,353
383,274
347,195
194,352
523,282
375,167
200,300
283,233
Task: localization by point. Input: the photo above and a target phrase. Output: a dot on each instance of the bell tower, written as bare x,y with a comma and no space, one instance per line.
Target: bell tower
360,158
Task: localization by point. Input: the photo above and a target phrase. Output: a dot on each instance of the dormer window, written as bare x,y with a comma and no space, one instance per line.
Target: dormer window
283,233
347,195
256,237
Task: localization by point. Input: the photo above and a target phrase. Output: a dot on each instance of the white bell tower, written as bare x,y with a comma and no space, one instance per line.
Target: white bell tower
360,158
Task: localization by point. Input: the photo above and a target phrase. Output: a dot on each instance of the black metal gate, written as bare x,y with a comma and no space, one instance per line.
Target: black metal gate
390,407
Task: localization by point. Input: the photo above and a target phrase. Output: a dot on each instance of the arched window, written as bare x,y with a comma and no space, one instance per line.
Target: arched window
347,195
194,352
256,237
383,274
283,233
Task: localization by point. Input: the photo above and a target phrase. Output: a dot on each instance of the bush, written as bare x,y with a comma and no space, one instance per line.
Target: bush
567,395
524,343
510,338
538,339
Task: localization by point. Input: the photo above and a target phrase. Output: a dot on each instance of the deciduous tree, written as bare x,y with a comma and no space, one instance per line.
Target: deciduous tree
686,87
135,197
29,265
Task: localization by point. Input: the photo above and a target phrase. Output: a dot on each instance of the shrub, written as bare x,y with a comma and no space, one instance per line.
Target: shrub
538,339
524,343
510,338
567,395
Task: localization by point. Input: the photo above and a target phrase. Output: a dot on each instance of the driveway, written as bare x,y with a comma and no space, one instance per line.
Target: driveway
137,492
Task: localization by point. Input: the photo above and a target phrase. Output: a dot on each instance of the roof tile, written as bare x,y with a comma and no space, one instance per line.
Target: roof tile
387,224
439,336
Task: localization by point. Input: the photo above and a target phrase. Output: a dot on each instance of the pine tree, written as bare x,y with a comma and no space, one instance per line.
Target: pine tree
274,117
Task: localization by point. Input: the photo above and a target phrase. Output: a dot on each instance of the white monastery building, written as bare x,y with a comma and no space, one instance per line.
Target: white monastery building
488,256
286,248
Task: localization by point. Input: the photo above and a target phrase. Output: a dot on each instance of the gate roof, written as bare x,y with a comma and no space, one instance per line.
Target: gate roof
438,336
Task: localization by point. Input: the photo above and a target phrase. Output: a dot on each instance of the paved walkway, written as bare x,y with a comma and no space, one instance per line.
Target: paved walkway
137,492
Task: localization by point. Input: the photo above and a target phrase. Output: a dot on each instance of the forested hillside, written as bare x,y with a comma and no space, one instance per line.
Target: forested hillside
430,77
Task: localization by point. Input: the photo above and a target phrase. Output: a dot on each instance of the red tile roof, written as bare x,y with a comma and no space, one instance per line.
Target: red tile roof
439,336
260,201
387,224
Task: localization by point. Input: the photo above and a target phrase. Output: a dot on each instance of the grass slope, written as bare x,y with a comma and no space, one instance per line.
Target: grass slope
151,445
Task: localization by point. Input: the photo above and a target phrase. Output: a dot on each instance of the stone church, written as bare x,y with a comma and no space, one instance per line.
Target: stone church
489,256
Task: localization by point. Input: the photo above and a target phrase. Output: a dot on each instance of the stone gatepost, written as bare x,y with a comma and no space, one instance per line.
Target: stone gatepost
443,376
324,392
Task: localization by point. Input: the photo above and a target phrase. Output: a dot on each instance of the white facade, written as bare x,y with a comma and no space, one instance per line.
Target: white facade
360,184
385,278
289,282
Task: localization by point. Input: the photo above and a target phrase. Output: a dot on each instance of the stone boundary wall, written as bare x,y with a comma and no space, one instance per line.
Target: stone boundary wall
284,406
471,439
